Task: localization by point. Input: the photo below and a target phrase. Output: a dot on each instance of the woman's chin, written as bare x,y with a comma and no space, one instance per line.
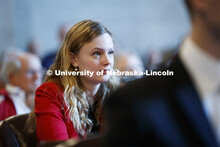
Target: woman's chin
104,78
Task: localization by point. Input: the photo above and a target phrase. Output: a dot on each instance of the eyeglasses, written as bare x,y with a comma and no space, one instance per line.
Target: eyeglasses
31,72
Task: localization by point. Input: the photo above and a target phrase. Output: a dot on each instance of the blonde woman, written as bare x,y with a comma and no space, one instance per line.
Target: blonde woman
63,102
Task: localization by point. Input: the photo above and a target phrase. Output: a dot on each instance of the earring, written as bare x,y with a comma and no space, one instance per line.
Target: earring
76,69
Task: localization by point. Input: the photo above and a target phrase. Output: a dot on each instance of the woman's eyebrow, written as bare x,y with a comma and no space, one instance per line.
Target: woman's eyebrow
97,48
101,49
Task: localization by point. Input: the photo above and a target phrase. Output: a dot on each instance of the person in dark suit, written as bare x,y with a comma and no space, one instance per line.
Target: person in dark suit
179,110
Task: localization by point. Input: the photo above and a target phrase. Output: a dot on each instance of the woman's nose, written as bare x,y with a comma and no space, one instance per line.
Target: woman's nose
106,60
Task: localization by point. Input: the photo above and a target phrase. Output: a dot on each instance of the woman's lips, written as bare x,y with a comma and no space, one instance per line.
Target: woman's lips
105,71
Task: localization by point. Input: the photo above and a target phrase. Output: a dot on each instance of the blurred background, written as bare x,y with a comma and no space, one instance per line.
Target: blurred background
147,27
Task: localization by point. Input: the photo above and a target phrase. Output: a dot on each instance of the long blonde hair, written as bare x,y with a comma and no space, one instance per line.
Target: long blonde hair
75,98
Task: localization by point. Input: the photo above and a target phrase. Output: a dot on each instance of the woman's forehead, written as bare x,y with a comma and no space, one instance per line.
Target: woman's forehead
102,42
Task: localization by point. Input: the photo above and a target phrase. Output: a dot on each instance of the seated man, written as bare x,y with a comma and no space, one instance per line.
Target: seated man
128,61
22,74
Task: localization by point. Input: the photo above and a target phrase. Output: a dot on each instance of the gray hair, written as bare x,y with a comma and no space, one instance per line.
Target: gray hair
10,65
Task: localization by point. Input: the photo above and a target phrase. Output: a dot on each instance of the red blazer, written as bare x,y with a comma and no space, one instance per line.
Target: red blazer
53,123
7,107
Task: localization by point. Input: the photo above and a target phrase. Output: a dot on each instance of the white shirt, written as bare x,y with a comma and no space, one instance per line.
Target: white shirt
205,72
18,98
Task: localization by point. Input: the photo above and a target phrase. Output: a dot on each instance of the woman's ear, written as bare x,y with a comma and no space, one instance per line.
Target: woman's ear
73,60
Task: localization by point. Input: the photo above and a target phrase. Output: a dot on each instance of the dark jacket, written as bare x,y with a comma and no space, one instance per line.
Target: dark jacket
158,111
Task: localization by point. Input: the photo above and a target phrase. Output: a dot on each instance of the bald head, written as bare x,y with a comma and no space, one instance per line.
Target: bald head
126,61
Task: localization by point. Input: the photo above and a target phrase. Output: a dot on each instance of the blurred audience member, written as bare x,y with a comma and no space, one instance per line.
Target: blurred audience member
128,61
22,74
49,59
34,47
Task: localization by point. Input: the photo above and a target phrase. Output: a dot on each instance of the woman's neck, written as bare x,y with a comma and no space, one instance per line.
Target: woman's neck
91,89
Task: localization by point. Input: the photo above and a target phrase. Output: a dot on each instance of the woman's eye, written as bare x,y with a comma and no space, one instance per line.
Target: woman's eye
96,53
111,52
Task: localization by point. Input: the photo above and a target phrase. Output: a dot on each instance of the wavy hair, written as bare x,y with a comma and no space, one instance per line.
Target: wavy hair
75,98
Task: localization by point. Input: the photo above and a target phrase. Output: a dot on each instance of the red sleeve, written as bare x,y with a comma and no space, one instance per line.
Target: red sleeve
50,113
7,107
